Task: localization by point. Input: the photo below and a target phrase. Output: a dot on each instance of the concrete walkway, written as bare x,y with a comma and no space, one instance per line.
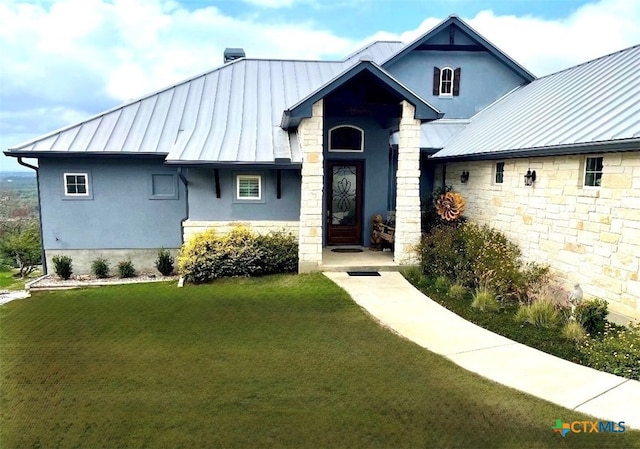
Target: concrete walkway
7,296
394,302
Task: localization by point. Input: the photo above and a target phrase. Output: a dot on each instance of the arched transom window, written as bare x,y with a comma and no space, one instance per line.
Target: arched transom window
346,138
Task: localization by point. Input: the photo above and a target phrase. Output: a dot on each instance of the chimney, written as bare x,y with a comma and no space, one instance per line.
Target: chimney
233,53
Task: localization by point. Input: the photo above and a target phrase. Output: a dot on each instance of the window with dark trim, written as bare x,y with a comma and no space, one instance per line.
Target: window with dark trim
593,171
446,81
76,184
499,173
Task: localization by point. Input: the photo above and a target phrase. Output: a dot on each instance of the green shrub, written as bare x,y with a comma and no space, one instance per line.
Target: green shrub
477,255
412,274
126,269
441,252
484,300
164,262
592,314
100,268
492,259
617,352
63,266
457,291
541,313
278,252
533,278
442,284
574,331
208,255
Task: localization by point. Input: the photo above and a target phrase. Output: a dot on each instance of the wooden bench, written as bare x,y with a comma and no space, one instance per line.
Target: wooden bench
387,232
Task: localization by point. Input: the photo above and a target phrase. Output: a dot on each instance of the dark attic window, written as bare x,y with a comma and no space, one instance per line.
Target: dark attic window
346,138
446,82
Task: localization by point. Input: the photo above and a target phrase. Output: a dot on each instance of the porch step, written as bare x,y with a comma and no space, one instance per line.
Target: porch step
345,268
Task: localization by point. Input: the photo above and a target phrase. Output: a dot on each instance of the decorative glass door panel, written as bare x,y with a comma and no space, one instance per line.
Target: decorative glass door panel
344,190
344,214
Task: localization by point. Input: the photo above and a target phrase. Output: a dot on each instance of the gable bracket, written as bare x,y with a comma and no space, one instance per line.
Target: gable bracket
452,32
216,175
278,183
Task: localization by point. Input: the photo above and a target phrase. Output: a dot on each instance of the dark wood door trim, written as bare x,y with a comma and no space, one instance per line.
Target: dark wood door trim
343,229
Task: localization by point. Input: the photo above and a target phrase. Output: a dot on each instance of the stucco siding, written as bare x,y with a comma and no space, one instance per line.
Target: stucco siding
120,211
205,206
483,79
590,235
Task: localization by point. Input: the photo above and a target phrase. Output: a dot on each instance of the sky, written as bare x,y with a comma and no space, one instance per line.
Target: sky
62,61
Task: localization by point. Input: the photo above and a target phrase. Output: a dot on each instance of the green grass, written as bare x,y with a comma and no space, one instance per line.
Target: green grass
9,282
283,361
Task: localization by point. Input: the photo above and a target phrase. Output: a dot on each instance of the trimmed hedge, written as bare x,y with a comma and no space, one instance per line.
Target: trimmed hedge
208,256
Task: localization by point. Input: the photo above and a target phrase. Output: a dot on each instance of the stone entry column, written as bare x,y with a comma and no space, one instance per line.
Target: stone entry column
311,213
408,188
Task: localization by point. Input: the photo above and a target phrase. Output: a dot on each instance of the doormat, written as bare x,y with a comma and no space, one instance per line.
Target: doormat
346,250
363,273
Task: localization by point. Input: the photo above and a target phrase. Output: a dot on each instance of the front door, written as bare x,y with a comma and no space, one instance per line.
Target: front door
344,203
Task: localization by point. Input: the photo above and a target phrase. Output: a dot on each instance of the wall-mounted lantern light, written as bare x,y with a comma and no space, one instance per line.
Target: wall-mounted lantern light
530,178
464,177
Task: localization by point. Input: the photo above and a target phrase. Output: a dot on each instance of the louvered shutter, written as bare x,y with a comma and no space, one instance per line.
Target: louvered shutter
456,82
436,81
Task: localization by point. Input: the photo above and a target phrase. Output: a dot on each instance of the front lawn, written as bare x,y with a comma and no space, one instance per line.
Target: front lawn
282,361
9,281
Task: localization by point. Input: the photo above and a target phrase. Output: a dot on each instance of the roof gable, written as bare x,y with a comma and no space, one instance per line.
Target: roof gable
454,34
302,109
594,106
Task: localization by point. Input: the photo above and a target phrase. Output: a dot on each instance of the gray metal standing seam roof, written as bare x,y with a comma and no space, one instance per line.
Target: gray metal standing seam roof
436,134
590,107
229,114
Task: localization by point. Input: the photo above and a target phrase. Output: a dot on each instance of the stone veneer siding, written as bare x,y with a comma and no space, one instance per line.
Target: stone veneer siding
589,235
408,188
190,227
310,133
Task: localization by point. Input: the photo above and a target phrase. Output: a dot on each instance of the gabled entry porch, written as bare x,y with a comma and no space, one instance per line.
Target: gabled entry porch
349,173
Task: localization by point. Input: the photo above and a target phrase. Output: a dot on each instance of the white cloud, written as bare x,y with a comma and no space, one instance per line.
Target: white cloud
68,59
545,46
272,3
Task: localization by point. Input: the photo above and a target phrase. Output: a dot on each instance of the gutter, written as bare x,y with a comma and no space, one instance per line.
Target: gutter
43,259
185,181
556,150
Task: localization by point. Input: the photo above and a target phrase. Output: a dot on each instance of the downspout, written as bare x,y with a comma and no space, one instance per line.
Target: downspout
43,259
185,181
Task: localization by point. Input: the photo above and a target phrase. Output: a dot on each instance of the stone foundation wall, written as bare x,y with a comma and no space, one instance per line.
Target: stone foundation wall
589,235
143,259
190,227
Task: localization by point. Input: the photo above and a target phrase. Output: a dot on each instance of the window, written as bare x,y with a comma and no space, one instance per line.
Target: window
76,184
593,172
164,186
499,172
346,138
446,82
249,187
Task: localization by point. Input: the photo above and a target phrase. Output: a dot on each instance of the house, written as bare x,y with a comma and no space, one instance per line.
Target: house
319,147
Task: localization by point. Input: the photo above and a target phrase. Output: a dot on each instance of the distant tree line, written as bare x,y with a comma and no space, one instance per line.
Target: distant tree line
20,240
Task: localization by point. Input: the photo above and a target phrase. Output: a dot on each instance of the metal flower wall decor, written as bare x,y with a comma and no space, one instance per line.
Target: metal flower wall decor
450,206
